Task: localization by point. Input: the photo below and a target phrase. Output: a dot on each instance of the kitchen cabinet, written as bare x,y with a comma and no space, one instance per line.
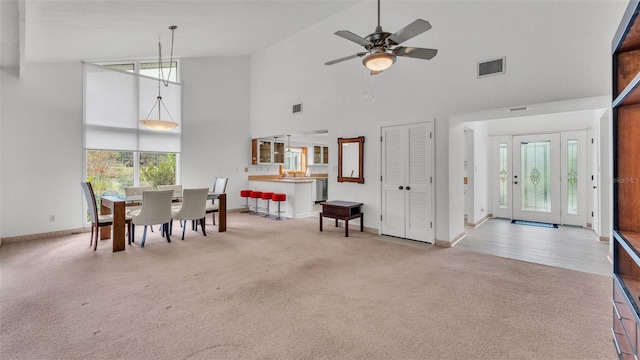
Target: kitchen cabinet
266,151
320,155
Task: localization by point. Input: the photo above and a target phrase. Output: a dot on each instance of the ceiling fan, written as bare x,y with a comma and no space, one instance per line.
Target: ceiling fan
381,46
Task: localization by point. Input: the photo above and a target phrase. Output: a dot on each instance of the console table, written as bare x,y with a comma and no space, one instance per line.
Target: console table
342,210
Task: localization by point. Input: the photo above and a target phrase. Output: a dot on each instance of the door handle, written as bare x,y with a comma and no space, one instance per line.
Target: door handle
408,188
400,187
595,187
515,182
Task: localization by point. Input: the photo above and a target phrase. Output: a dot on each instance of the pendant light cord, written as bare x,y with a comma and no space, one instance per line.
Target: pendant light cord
161,71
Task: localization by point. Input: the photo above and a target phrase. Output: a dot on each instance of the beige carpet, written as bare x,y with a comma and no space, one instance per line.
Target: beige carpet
283,290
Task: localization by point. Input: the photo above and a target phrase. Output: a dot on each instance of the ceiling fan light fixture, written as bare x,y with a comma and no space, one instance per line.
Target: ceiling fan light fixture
379,61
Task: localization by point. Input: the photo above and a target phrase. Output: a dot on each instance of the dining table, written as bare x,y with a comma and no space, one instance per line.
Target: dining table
117,206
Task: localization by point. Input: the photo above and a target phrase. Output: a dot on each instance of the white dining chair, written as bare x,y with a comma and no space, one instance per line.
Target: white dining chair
156,209
194,202
135,191
219,187
177,189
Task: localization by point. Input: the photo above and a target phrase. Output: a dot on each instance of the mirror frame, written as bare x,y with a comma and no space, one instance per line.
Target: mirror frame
360,141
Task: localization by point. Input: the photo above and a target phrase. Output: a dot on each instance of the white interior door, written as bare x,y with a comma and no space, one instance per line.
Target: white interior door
536,178
407,189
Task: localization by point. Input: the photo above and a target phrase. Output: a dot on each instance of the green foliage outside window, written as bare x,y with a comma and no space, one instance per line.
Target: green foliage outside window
164,173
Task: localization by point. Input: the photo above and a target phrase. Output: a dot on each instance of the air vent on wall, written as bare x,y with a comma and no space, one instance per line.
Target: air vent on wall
297,108
492,67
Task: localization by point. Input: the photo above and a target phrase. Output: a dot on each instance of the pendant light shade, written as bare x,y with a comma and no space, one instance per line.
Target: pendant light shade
159,124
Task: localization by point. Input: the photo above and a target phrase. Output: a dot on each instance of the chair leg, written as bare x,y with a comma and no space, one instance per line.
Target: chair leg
129,232
91,240
184,228
167,231
213,217
133,233
202,225
95,245
144,236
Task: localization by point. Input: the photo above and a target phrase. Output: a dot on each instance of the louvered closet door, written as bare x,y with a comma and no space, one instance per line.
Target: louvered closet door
407,159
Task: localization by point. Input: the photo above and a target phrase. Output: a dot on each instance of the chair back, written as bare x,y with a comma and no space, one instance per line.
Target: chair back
194,203
136,190
220,185
91,200
156,208
177,189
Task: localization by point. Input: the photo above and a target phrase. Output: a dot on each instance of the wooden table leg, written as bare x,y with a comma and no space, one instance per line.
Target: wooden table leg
118,226
346,227
222,213
320,221
105,231
361,222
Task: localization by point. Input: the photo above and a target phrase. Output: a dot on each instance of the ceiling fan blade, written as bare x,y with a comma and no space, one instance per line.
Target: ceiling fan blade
415,28
353,37
360,54
414,52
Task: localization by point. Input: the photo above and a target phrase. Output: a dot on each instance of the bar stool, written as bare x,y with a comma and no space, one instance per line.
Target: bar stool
279,198
256,195
246,194
267,195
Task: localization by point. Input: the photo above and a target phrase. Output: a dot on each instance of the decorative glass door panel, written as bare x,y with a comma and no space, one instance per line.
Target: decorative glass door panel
536,178
535,164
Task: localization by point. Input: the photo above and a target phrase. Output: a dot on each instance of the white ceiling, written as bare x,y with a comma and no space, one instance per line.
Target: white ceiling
70,30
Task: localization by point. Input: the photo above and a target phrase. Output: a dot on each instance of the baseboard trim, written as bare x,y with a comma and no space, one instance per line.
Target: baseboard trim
12,239
476,224
447,243
604,239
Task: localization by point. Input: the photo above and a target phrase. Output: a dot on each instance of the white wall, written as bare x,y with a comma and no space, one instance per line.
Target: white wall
41,149
215,134
555,51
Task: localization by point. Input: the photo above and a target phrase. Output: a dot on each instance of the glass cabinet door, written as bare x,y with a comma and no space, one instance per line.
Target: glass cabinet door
325,154
264,149
317,154
278,152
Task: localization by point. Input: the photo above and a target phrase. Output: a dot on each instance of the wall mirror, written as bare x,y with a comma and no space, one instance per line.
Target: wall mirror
350,155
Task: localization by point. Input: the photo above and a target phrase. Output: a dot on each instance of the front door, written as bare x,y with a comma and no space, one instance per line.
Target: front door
536,178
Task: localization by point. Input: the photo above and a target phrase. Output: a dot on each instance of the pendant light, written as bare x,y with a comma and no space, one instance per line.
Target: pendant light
159,124
289,153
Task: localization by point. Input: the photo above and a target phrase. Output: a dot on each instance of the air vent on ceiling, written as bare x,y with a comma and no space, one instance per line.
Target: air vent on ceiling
297,108
492,67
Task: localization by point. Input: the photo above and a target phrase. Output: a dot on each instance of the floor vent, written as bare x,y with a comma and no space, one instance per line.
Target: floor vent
492,67
297,108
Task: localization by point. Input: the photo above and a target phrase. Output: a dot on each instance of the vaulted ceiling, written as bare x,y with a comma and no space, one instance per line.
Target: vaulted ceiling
70,30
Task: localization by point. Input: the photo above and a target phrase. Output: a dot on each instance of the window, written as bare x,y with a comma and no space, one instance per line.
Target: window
120,152
295,160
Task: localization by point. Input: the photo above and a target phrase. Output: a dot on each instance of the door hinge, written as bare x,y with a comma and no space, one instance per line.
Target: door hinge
380,178
592,140
430,179
591,177
380,217
431,224
430,135
380,138
592,214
